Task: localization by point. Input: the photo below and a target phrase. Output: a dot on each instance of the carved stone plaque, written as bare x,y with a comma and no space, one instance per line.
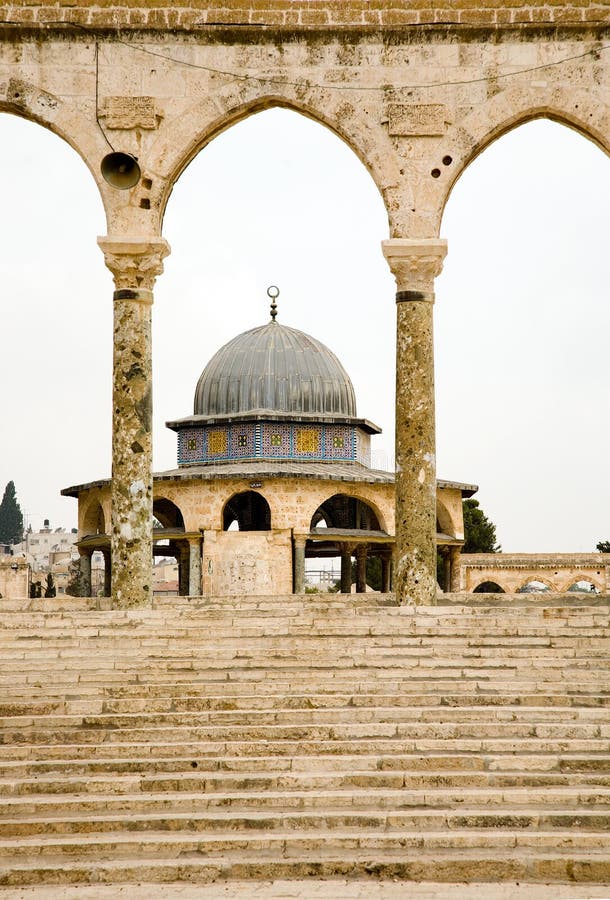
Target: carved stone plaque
130,112
417,119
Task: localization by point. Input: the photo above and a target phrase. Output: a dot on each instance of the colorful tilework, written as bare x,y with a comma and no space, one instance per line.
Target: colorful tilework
275,441
338,442
242,441
190,445
308,442
272,440
218,441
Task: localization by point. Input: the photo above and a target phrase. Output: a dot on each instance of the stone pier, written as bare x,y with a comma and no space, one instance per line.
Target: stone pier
135,264
415,264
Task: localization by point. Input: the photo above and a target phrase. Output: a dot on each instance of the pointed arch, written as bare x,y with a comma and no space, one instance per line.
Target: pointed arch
28,101
536,579
206,119
249,509
348,510
585,111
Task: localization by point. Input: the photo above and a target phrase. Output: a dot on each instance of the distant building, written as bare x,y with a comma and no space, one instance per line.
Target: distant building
47,547
274,470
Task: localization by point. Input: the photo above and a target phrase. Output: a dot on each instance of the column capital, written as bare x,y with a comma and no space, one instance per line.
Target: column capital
415,263
134,262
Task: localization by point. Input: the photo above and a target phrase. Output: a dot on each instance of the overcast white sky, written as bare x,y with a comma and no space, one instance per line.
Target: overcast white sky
522,316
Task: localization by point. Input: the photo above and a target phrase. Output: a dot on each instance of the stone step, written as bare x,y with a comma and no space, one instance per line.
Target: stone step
54,805
398,746
192,717
480,731
512,763
313,780
286,843
471,690
519,819
412,864
330,701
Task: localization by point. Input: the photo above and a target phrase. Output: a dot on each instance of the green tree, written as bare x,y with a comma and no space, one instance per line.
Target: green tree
50,589
603,546
479,532
11,517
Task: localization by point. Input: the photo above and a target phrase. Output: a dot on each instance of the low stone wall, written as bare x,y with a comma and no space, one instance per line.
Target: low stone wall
14,577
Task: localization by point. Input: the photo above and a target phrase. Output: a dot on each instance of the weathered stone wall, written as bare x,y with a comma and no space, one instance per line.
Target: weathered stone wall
247,562
415,104
176,14
511,571
14,578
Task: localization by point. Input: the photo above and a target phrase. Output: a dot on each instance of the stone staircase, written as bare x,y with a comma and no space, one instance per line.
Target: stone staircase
296,737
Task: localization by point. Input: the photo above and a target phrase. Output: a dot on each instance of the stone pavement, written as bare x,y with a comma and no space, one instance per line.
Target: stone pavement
313,890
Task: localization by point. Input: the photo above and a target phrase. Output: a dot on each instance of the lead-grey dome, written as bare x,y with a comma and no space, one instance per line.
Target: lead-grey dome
277,369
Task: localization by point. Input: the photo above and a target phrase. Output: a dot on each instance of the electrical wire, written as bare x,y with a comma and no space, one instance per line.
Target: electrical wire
285,82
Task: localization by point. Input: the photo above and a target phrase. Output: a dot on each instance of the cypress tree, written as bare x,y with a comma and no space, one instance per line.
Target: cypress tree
11,517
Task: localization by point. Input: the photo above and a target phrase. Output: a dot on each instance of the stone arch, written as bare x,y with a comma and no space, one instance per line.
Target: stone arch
94,520
585,111
350,121
168,513
574,580
444,519
485,586
540,578
249,509
30,102
347,510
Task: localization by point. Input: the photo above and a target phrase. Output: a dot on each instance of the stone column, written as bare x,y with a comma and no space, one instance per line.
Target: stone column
446,570
361,555
455,580
415,264
386,571
195,567
184,564
135,264
298,571
84,574
107,572
346,569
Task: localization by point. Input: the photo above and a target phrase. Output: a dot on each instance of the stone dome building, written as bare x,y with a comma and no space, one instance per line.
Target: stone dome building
274,467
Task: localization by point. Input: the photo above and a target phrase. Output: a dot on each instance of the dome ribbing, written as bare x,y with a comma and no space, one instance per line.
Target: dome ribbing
277,369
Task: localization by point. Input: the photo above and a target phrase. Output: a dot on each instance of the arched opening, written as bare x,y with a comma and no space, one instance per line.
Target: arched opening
171,551
167,514
268,192
583,585
347,548
534,586
249,510
343,511
488,587
94,521
522,284
57,326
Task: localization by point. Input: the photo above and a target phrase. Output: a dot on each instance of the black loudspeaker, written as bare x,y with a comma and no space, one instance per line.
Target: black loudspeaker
120,170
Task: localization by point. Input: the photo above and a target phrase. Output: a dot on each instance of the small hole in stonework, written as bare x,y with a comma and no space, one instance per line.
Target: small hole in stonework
145,203
147,183
194,764
447,160
435,173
